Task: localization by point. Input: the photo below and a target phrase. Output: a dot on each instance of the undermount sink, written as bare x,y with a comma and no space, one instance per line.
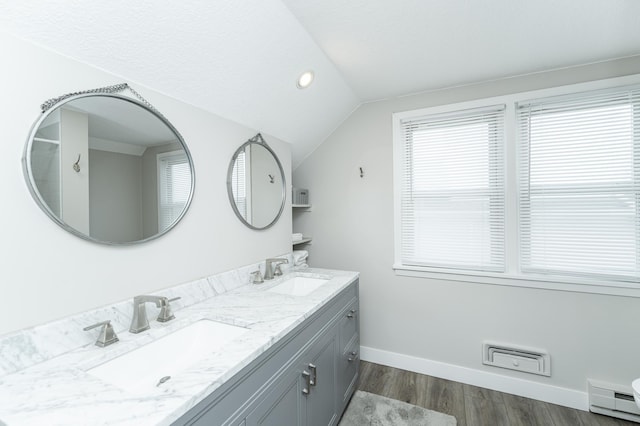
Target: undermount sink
298,285
145,369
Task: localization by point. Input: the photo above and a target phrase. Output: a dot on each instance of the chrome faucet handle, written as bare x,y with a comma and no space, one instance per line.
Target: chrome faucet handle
165,310
278,270
256,277
107,335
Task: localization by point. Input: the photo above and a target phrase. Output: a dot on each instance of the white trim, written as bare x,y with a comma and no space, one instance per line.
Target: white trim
513,277
117,147
530,281
498,382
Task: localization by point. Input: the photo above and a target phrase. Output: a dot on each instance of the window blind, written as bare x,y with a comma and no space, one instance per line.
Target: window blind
579,182
452,190
239,184
175,187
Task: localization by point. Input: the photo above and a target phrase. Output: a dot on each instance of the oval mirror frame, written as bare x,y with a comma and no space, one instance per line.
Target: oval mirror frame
44,206
258,141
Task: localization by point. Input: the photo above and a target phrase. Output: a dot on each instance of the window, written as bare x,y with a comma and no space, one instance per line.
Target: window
537,189
579,188
452,196
174,183
240,181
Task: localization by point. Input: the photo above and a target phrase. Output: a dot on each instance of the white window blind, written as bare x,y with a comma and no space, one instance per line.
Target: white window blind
174,174
579,181
452,190
239,184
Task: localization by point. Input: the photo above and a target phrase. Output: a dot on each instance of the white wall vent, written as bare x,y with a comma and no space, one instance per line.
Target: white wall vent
519,358
613,400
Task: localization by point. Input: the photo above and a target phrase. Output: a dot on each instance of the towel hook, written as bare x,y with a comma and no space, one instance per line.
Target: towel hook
361,172
271,178
76,165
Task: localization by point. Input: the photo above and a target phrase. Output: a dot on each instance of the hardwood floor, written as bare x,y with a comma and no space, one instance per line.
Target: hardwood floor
471,405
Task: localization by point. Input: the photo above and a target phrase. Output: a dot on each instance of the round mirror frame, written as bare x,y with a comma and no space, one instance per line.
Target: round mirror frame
31,184
258,140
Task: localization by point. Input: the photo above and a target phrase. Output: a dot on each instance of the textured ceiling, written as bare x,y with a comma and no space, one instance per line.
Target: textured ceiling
240,58
386,48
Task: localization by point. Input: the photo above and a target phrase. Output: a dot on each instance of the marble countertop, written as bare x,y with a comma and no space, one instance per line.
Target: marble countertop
59,391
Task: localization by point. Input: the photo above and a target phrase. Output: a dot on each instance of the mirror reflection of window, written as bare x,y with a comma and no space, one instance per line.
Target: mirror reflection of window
174,185
241,184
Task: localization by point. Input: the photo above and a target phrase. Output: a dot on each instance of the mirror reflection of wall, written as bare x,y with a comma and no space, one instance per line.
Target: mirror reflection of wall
134,176
256,184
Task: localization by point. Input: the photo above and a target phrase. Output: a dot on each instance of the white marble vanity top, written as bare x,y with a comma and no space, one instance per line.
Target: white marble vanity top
59,391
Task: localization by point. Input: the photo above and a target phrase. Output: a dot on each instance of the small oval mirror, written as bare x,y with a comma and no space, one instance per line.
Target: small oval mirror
109,169
256,184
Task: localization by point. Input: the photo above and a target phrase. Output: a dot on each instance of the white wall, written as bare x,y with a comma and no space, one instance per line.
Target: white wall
47,273
439,326
265,196
115,196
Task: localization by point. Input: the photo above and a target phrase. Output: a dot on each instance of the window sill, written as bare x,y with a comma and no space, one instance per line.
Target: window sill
557,283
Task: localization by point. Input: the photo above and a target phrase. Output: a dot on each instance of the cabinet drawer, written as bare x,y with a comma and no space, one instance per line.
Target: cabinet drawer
348,325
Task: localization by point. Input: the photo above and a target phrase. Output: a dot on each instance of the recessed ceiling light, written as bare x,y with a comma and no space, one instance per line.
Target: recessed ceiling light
305,80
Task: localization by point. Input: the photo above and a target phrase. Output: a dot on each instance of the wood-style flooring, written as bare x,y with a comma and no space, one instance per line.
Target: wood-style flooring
471,405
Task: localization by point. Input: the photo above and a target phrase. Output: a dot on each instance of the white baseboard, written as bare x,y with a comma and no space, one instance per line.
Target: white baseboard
530,389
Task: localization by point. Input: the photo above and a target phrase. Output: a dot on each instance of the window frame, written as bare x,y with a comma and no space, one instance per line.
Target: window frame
492,115
513,275
160,159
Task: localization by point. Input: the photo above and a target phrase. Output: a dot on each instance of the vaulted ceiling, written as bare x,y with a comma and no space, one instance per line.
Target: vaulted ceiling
240,58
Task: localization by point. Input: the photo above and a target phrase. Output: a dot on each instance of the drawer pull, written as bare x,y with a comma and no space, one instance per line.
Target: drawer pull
314,379
353,357
351,313
307,378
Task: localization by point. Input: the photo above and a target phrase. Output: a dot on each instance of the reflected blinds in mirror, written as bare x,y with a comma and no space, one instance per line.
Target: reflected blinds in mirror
174,174
239,183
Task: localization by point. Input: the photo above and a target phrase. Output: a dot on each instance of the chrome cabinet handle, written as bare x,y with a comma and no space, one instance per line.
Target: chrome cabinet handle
353,357
351,313
307,378
314,370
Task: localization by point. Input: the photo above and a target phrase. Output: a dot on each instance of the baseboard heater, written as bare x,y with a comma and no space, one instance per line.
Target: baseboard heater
613,400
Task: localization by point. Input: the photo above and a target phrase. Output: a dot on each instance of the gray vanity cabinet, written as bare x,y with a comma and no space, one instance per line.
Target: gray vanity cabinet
321,401
348,362
304,395
281,405
305,379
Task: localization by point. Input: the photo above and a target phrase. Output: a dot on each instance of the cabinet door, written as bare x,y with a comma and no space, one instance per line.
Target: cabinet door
281,405
321,401
348,367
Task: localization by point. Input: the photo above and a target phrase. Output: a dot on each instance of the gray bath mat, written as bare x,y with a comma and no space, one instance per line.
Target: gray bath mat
374,410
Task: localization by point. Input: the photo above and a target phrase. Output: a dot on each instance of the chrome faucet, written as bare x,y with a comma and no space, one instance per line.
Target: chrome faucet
268,269
140,322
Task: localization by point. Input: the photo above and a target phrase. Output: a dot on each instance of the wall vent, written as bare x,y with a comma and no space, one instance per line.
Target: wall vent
527,360
613,400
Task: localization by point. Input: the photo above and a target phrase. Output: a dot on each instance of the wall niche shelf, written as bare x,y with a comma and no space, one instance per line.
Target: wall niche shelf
304,240
301,206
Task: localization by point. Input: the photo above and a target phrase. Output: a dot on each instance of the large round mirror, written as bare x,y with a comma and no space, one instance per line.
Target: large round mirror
256,185
109,169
